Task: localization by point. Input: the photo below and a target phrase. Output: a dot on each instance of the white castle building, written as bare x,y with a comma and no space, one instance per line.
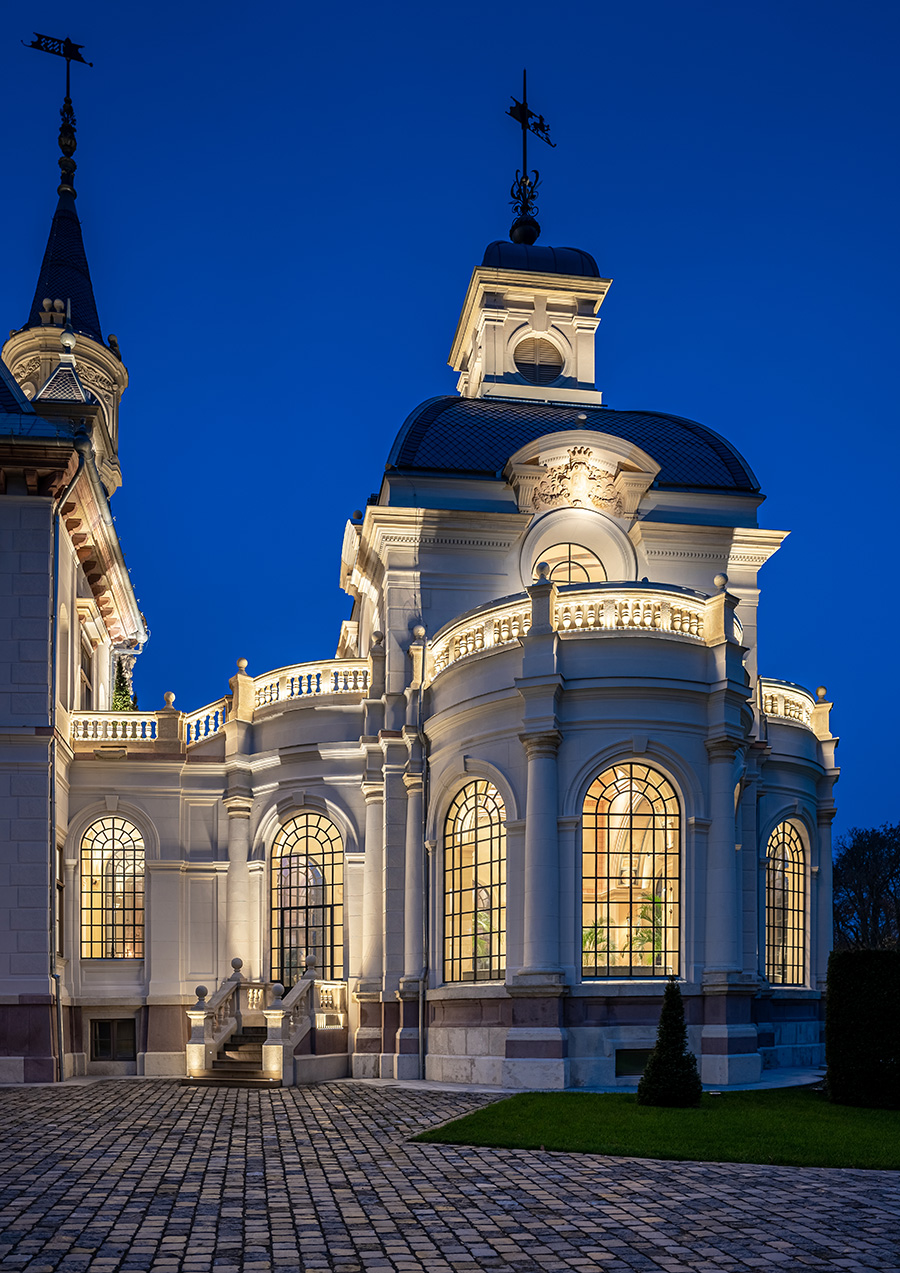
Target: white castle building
541,774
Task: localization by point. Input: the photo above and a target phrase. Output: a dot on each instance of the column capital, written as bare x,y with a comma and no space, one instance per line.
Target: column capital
825,816
238,804
544,743
413,782
724,748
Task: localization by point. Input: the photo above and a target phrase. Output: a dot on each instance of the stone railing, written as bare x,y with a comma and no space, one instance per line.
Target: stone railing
113,727
312,680
503,624
289,1018
636,608
205,722
785,701
641,610
236,1002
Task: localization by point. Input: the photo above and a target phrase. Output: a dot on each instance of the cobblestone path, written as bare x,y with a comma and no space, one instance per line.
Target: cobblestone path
151,1175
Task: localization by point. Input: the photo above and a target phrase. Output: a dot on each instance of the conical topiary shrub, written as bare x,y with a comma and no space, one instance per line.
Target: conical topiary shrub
121,699
670,1076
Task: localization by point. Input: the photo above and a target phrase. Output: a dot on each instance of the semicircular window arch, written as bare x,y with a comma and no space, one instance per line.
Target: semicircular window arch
475,885
631,874
307,899
112,889
786,907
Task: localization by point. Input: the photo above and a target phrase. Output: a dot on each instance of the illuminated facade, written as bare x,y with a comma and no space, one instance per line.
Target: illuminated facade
542,773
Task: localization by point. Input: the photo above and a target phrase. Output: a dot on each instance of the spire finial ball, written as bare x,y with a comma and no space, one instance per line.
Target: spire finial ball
720,580
543,571
170,699
821,693
242,666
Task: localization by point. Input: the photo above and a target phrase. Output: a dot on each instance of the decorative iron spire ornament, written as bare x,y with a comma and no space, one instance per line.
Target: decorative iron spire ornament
72,53
525,228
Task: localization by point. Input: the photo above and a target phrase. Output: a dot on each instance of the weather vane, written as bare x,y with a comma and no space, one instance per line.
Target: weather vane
72,53
525,228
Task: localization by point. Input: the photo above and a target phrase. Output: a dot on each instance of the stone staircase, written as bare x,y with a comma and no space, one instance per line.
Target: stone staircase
238,1064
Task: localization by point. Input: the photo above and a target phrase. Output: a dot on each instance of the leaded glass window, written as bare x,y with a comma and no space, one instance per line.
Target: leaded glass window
785,907
307,899
475,885
112,890
631,853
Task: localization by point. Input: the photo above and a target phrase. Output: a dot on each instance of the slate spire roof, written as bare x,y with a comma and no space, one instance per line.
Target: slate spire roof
65,274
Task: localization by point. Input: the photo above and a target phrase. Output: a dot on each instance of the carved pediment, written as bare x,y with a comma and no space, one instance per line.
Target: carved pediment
577,483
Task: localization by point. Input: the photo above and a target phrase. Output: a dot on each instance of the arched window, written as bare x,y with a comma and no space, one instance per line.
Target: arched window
572,563
785,907
630,875
112,890
475,885
307,899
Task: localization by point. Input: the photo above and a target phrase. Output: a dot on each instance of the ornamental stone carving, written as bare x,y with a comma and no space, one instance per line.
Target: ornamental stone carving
578,483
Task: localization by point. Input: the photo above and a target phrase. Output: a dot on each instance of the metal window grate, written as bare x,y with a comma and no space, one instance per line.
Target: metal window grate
307,899
631,853
785,907
112,890
475,885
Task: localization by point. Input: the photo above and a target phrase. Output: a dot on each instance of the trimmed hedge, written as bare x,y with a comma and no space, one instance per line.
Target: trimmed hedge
862,1028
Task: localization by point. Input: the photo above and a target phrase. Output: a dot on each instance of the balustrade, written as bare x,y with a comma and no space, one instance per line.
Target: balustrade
205,722
113,727
307,680
213,1021
786,701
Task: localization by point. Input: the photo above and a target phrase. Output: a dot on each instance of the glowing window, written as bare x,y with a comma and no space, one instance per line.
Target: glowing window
475,885
572,563
630,875
112,890
785,907
538,361
307,899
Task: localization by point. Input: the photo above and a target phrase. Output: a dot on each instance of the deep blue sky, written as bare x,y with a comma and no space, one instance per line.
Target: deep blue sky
282,206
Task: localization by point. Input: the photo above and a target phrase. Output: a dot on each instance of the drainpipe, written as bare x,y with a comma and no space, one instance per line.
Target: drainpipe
423,979
82,446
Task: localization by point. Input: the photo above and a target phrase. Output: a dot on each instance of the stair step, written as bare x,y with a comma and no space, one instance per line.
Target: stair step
236,1067
217,1079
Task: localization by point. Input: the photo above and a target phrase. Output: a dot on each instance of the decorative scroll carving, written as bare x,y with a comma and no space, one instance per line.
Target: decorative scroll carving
579,483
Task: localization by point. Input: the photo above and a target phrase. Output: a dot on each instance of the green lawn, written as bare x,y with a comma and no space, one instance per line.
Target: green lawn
794,1126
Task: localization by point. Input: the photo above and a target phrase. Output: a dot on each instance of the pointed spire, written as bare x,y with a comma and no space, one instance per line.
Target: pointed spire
64,271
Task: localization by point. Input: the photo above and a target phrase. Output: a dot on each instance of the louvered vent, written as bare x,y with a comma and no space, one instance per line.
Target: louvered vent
538,361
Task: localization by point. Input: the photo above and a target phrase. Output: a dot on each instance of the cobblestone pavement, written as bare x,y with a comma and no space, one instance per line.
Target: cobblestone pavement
151,1175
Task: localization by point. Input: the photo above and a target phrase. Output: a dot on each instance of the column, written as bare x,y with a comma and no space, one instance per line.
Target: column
237,892
373,928
722,920
823,938
541,938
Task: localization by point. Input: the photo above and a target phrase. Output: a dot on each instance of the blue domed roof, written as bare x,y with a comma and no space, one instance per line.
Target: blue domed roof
476,436
503,255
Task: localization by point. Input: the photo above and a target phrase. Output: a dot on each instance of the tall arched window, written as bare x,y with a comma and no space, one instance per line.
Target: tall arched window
475,885
307,899
630,875
785,907
112,890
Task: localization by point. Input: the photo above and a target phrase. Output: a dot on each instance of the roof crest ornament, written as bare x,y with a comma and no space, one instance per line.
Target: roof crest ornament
525,229
67,143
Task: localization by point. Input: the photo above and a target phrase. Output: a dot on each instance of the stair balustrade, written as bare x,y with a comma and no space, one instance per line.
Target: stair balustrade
236,1003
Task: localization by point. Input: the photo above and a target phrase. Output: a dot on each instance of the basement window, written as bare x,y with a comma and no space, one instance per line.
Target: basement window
113,1040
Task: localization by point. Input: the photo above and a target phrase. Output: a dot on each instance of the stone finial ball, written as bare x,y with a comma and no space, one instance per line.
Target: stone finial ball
68,339
237,964
543,570
201,992
821,692
357,514
418,632
377,638
59,307
242,665
720,580
170,698
277,989
310,961
46,304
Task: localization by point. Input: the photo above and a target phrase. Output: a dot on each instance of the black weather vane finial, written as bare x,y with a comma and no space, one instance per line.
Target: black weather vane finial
72,53
525,228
